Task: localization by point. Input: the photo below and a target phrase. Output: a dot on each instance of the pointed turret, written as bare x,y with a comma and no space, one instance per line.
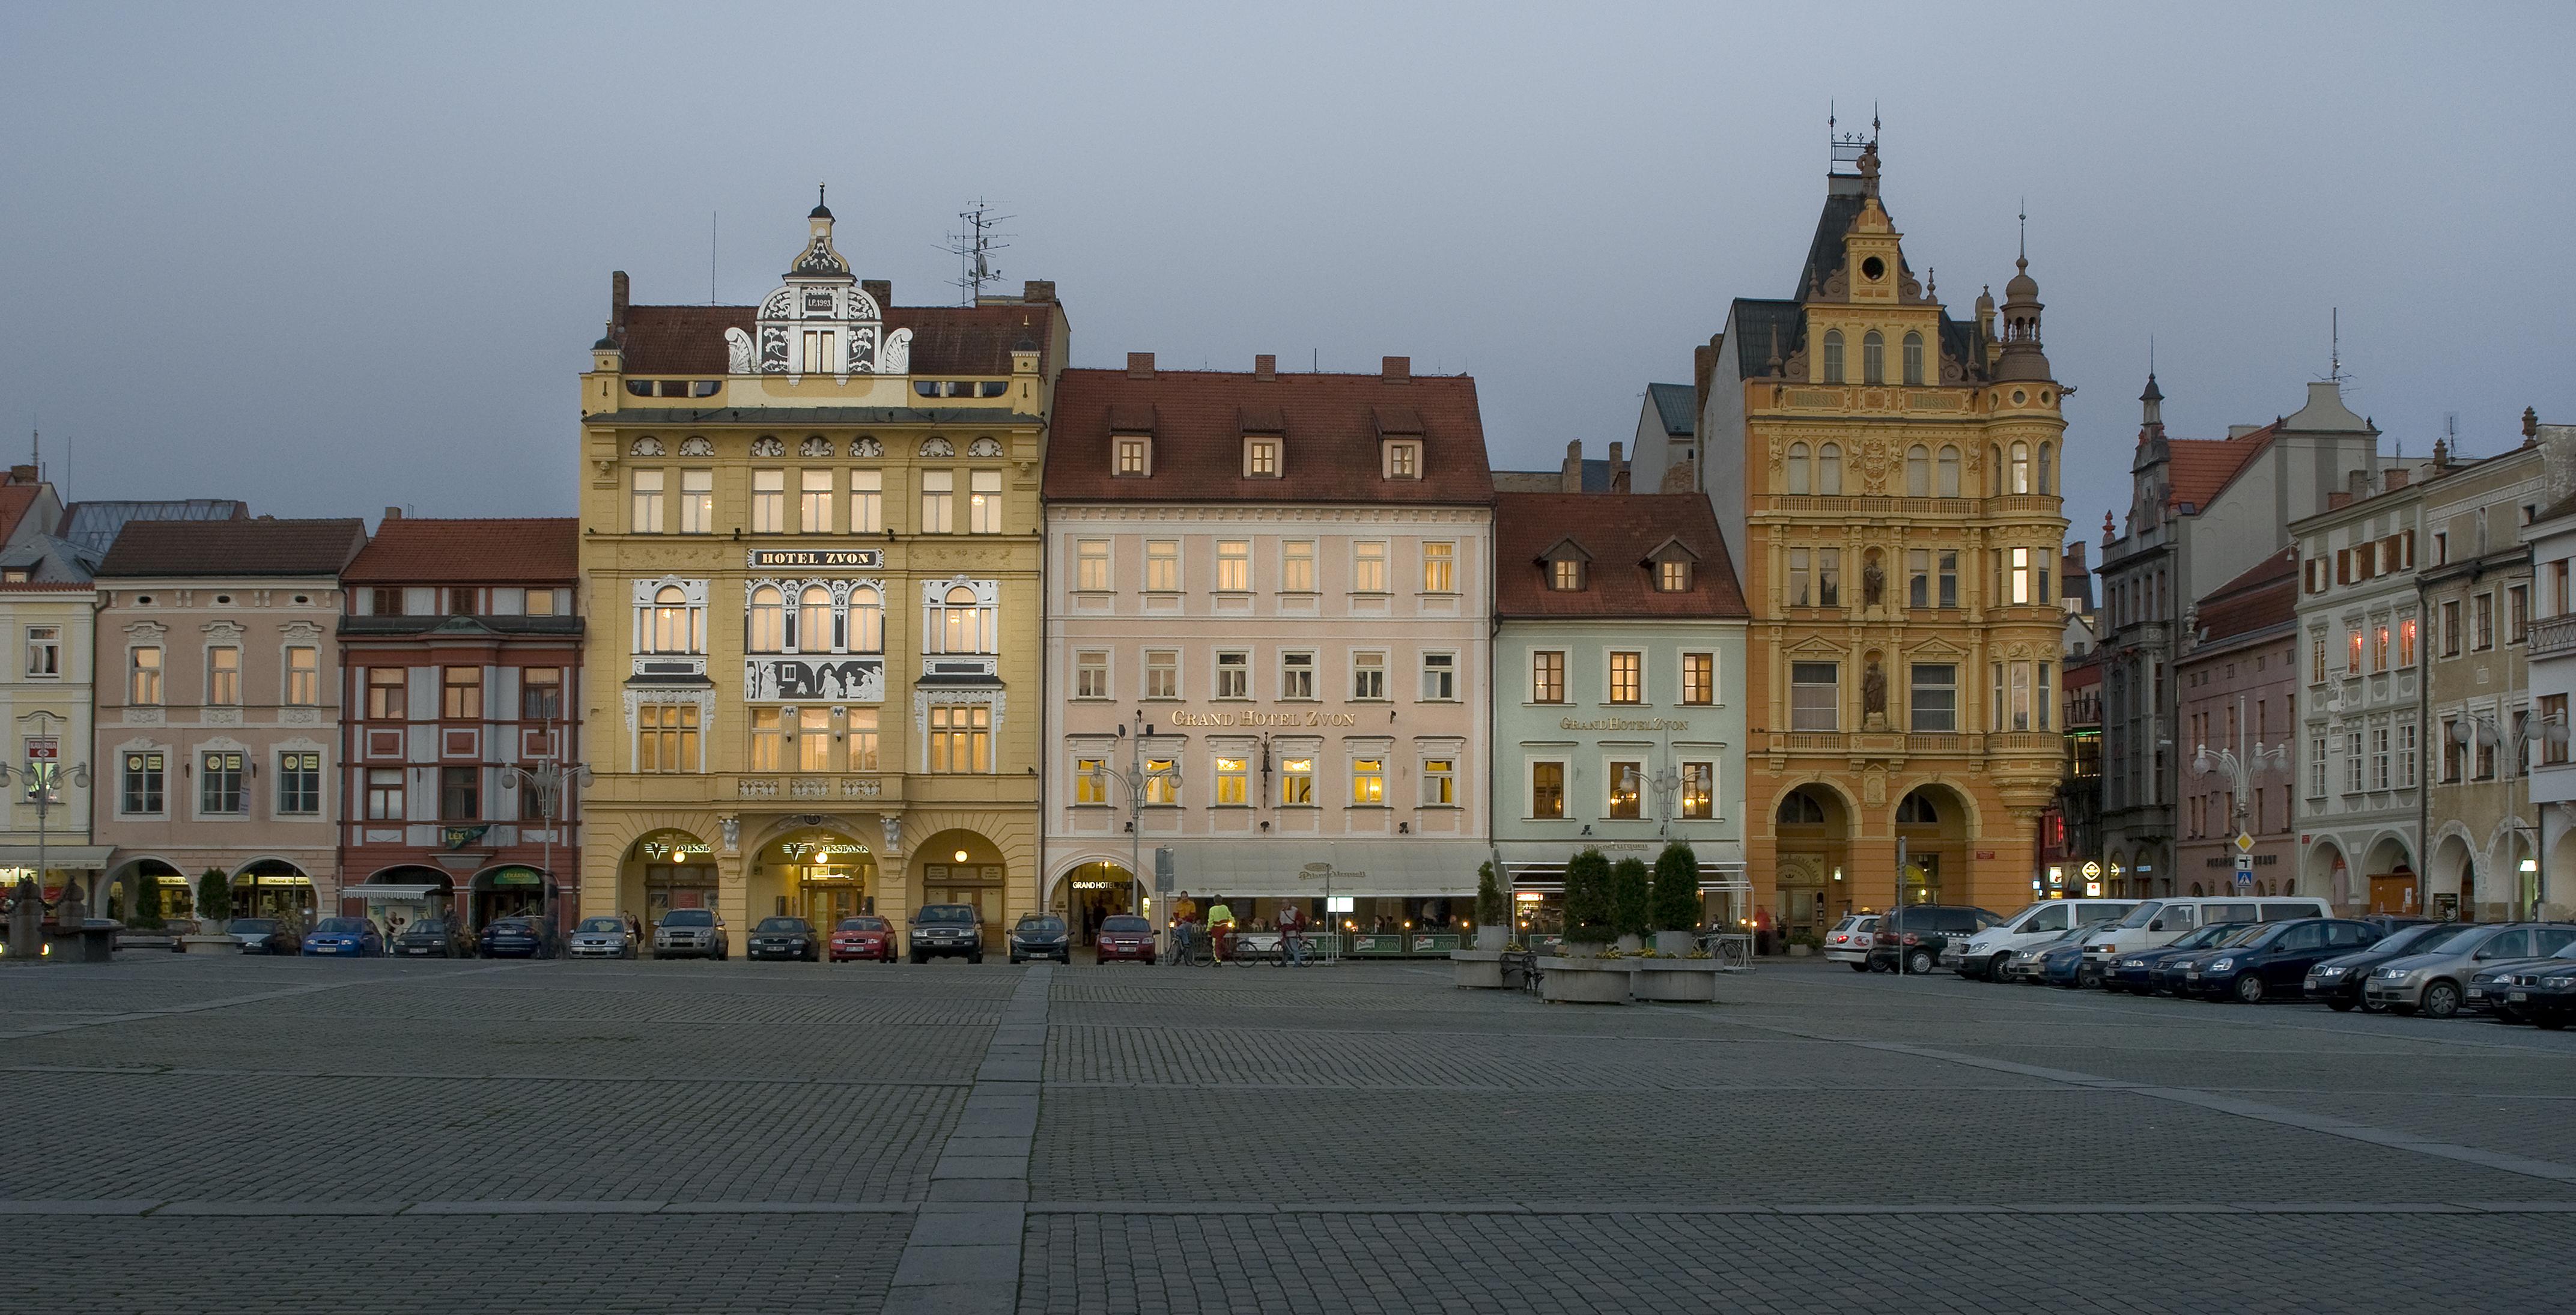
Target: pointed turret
2021,358
2151,410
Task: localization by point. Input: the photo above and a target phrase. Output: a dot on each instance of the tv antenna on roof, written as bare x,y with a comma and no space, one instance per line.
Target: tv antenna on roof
973,245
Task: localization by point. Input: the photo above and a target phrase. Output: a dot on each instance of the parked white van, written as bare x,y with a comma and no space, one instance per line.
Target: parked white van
2160,921
1986,951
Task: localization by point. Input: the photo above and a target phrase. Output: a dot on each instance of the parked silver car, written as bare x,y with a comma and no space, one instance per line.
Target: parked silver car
690,934
2435,984
607,936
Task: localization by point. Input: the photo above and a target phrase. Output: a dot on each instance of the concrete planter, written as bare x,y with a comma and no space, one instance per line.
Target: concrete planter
1585,981
1800,949
204,944
1478,969
1675,943
1679,981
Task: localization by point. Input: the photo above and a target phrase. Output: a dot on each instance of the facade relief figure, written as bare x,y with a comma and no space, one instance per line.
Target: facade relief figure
1873,691
1873,584
732,824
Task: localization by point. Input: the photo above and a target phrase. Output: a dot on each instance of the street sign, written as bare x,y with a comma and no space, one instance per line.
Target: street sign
1163,877
2245,865
44,748
2091,869
2244,843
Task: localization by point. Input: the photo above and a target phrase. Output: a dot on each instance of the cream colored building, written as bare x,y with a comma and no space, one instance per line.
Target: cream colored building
45,694
810,562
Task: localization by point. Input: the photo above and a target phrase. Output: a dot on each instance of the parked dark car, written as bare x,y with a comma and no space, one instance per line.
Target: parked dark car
2168,977
783,938
2337,981
2485,993
2135,970
516,938
355,938
1921,932
2274,961
946,930
442,938
1041,936
2064,963
264,935
2545,995
864,937
1125,936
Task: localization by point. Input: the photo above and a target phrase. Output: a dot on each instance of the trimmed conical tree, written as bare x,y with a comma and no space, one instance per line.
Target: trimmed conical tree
1676,900
1588,916
1490,908
214,896
1629,906
145,896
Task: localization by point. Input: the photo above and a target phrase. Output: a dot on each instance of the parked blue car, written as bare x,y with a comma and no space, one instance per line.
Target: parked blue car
352,937
2064,964
2136,970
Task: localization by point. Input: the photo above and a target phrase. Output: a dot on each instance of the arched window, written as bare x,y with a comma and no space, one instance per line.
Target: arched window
1949,485
1798,806
1833,356
963,626
1829,469
1916,809
1918,471
1798,468
1873,358
2020,468
814,620
2047,470
1913,358
867,621
768,621
674,627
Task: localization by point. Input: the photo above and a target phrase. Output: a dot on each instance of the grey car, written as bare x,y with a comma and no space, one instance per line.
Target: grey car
2436,984
607,936
690,934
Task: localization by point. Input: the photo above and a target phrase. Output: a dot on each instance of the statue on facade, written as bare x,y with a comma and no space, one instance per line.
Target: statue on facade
1873,582
1873,691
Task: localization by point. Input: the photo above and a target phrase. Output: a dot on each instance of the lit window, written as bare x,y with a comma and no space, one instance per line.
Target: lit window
768,740
1439,782
1439,568
984,502
223,676
461,693
386,694
768,633
1091,565
961,737
1233,565
1133,455
813,739
769,502
303,676
1162,566
1368,781
867,620
671,625
813,620
1230,788
1699,679
1297,781
1404,460
1297,566
814,501
965,625
1090,781
1626,782
1627,677
1699,790
1565,574
666,737
697,502
1368,568
1673,576
1547,790
1547,677
1261,457
863,739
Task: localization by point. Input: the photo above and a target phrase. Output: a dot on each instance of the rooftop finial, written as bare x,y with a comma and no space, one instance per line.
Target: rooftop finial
2022,258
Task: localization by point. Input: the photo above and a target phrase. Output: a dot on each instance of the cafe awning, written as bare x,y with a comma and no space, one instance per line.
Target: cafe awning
72,858
1273,867
385,892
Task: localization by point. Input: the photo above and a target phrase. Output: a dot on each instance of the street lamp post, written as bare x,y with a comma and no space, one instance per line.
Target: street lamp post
548,779
2240,764
40,777
1135,778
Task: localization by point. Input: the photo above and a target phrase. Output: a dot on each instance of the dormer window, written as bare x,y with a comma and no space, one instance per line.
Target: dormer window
1135,455
1565,575
1261,458
1673,576
1404,459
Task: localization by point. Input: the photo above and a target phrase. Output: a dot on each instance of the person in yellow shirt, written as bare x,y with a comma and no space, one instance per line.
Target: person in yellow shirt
1185,911
1220,929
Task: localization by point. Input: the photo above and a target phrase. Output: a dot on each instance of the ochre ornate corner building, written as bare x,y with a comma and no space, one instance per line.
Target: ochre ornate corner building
810,557
1889,476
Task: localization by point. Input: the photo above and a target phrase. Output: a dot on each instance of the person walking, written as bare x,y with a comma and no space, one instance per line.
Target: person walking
1292,939
1220,921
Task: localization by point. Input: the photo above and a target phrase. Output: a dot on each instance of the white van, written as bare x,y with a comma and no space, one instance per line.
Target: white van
1986,951
2160,921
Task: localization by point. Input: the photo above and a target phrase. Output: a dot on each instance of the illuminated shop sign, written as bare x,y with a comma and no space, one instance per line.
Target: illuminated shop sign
1256,717
1621,724
814,680
865,557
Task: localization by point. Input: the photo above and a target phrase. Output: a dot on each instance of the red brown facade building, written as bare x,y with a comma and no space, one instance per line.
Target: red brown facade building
2235,676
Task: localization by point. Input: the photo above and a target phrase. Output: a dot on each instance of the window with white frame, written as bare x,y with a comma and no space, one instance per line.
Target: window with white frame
671,623
965,623
938,502
1297,675
1404,459
221,774
1368,782
1815,696
2406,756
961,738
984,502
1162,673
1368,676
1261,458
1162,782
666,737
645,513
766,625
1233,565
768,502
44,652
697,502
1439,568
1297,781
146,777
2352,764
867,502
1133,456
1234,675
1231,780
1439,677
1933,702
1368,568
2317,767
1162,566
814,501
1699,790
1091,673
2379,757
1297,566
1091,565
299,783
867,620
1439,782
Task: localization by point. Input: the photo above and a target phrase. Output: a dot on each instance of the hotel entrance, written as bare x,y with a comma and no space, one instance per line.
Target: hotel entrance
1092,892
817,874
669,870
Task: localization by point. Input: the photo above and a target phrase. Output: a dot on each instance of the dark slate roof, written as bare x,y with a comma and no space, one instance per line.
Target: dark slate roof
2263,597
791,417
223,549
1330,423
1763,329
1825,254
1617,531
967,340
414,627
1675,405
530,550
94,525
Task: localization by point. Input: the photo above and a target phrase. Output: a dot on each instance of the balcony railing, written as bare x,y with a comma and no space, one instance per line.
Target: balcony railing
2553,636
809,787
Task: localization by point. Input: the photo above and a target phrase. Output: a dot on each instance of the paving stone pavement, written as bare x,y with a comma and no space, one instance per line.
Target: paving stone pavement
247,1135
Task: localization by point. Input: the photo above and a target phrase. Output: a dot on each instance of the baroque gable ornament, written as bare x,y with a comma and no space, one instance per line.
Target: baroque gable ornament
765,446
815,446
648,446
819,320
867,446
697,445
984,447
935,446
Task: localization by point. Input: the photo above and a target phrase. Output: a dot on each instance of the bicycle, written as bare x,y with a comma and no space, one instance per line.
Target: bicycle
1730,949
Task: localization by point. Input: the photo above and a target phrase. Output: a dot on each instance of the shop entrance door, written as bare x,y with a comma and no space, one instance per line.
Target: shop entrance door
2392,894
668,888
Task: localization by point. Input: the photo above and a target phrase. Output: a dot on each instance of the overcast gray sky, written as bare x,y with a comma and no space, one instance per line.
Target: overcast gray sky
332,257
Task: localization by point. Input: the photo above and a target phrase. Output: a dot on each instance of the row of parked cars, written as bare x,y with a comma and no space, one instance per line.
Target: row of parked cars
935,931
361,938
2244,949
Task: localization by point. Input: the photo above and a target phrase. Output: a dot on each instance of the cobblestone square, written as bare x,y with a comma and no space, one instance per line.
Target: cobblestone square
211,1133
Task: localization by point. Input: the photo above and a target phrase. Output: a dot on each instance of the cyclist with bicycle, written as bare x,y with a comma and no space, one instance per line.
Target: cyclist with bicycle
1220,923
1185,911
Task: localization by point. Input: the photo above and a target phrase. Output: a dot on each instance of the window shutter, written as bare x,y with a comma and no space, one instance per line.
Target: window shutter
2409,537
2343,566
2309,569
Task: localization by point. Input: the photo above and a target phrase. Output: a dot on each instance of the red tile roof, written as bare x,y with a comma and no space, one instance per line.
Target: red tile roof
969,340
1331,425
2199,467
534,550
1618,532
15,499
217,549
2265,596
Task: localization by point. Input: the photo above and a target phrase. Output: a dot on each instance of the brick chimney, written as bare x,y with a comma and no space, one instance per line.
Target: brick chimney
1618,469
881,289
1041,291
393,513
1140,365
2338,498
1569,477
617,302
1265,367
1396,369
2394,477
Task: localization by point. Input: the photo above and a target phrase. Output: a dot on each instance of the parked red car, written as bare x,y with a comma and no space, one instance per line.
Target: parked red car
1126,936
863,938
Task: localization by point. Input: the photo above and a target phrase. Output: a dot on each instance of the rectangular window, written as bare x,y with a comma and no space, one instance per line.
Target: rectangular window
1829,577
1297,566
44,652
666,737
2379,758
1261,457
1233,566
2517,613
1297,781
219,784
1439,568
1234,675
1090,781
1296,675
2406,756
1673,577
1162,673
223,676
2406,643
145,777
1162,782
2316,657
462,602
938,502
460,693
863,740
1439,782
386,693
299,783
2317,767
2486,760
1699,790
2352,652
1131,457
1547,790
814,501
1230,777
1547,677
460,796
2451,628
768,740
867,502
1091,565
1368,782
1368,676
2018,572
1933,703
2378,649
1404,461
1801,577
1368,568
961,737
1918,577
385,794
1439,677
1815,696
1699,679
1162,566
1091,673
540,693
2352,765
813,739
1627,789
645,517
1950,578
382,601
2553,714
1627,677
143,677
303,676
769,502
697,502
2451,751
984,502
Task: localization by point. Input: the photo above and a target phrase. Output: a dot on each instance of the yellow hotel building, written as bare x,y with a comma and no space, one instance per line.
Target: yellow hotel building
1890,475
810,558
